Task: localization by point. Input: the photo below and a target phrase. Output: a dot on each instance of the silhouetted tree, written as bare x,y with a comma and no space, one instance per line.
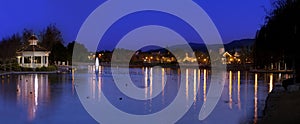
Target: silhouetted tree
51,36
77,51
277,39
70,48
58,53
9,46
25,35
51,39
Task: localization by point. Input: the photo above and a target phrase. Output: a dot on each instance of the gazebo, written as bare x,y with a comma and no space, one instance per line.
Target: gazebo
33,55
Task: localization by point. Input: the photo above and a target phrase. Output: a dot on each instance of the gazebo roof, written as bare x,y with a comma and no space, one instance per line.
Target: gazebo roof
28,48
32,37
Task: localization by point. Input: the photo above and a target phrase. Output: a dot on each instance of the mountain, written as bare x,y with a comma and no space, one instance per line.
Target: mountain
234,45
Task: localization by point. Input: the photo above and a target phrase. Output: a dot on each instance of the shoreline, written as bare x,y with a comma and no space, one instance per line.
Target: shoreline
281,106
29,72
59,70
271,71
229,67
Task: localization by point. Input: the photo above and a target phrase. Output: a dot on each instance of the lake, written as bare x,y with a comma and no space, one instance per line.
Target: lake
53,98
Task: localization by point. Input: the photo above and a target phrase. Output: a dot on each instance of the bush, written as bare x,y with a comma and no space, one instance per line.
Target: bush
41,69
2,67
51,68
26,69
16,67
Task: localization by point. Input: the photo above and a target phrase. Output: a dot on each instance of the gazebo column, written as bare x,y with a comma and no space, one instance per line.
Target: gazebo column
31,62
19,60
42,61
47,62
22,60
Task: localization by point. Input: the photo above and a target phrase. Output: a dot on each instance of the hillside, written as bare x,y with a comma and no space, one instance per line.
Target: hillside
236,44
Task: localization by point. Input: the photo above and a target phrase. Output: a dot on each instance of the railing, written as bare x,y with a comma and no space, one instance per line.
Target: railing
29,65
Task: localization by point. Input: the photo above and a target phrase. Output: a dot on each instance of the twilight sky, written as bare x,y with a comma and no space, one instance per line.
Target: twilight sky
235,19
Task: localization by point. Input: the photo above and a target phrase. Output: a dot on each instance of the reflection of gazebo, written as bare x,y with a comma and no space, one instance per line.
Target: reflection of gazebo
33,55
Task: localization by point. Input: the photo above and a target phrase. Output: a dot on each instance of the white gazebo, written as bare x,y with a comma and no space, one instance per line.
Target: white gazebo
33,55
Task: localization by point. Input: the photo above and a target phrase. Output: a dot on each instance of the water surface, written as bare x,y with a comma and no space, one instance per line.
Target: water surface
52,98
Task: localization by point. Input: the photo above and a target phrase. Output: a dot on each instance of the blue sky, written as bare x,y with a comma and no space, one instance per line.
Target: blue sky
235,19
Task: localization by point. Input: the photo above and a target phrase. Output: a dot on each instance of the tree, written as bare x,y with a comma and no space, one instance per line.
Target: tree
277,39
9,47
51,36
77,51
51,39
25,36
70,48
58,53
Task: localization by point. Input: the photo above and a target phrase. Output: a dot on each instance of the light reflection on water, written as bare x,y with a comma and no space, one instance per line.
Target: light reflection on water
244,101
204,85
239,90
163,84
271,83
35,95
30,89
40,98
255,99
230,89
187,85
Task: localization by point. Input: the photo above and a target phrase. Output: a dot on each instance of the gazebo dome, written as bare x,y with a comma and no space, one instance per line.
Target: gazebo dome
32,37
33,40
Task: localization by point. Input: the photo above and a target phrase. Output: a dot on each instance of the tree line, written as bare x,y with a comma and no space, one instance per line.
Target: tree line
49,38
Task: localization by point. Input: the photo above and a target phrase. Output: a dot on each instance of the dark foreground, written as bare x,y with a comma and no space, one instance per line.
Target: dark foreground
283,108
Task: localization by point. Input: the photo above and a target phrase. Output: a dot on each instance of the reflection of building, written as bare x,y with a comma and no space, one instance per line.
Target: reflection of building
30,90
33,55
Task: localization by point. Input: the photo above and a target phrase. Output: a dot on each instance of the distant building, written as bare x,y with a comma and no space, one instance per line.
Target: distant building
228,58
189,59
33,55
92,56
